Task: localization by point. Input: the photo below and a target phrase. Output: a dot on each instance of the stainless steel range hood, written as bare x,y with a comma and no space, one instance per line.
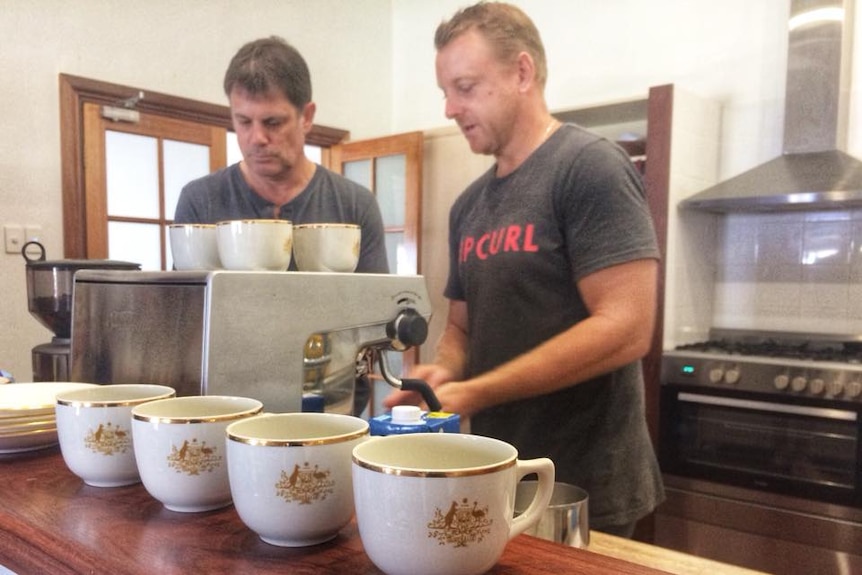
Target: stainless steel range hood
813,173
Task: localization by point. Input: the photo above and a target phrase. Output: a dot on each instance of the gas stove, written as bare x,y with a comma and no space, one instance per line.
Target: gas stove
804,366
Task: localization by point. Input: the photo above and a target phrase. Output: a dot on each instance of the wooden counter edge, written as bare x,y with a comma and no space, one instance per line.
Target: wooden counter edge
675,562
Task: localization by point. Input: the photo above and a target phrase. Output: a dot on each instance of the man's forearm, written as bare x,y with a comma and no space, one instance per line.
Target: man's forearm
451,351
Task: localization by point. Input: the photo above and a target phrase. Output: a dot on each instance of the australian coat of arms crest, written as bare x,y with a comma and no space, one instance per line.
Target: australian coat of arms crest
194,457
461,524
108,439
305,484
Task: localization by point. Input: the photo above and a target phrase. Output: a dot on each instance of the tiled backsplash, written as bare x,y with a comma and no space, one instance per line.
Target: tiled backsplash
797,271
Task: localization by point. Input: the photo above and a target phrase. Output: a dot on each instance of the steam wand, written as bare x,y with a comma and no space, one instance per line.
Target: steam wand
418,385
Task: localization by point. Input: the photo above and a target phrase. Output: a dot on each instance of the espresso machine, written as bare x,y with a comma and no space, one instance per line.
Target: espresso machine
49,299
280,337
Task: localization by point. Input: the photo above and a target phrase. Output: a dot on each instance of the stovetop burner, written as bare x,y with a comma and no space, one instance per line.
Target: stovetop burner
849,352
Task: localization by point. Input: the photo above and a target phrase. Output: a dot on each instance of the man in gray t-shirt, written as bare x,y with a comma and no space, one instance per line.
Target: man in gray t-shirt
269,89
552,277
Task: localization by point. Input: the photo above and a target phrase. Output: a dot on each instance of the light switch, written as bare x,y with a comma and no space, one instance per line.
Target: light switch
13,235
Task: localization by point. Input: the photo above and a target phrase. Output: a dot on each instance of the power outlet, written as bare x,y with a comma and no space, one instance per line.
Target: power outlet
13,235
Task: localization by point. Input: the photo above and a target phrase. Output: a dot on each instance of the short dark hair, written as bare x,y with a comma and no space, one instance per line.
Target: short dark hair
270,64
508,29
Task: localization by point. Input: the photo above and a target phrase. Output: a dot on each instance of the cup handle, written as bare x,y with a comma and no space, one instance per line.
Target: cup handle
544,468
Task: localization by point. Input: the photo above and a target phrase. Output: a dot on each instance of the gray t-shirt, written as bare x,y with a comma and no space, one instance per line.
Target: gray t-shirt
517,246
329,197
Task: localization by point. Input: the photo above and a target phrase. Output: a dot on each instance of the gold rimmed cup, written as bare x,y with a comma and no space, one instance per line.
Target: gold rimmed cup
442,503
94,428
290,474
194,246
327,247
180,448
255,245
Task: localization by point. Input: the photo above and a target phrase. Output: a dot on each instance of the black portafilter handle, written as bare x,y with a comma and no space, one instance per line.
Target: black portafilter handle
421,386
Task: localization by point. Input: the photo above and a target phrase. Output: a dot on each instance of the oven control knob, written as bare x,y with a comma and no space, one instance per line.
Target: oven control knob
781,381
854,389
798,383
835,387
732,375
716,374
817,385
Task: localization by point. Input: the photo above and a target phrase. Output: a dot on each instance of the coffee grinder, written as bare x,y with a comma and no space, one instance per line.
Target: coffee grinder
49,299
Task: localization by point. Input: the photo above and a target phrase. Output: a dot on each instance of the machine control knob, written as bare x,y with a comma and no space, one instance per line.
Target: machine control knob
798,383
781,381
408,329
835,387
854,389
732,375
817,386
716,374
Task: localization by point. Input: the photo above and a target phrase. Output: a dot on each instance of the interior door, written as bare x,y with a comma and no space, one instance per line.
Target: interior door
391,167
133,174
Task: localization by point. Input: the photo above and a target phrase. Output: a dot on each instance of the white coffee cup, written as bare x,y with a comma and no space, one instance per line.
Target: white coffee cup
442,503
326,247
194,246
255,245
94,427
180,448
290,474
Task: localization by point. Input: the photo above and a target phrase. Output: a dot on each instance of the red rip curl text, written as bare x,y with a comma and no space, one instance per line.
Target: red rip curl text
513,238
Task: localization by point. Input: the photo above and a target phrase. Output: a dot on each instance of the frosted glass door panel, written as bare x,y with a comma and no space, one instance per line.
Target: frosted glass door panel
169,257
234,154
138,243
360,172
395,254
132,172
183,162
314,153
390,189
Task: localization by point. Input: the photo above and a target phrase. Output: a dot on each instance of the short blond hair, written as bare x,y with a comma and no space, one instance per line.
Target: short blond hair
508,29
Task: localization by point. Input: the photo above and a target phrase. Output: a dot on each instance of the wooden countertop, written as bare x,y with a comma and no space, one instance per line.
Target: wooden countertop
661,558
51,522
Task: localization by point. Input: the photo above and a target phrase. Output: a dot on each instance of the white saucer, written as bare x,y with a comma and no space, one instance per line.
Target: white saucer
31,441
33,398
40,424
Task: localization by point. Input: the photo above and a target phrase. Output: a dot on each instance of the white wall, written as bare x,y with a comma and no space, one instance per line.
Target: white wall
732,52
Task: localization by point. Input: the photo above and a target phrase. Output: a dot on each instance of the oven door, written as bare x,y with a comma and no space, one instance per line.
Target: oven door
804,450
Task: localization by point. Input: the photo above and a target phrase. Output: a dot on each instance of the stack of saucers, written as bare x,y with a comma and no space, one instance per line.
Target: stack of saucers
27,420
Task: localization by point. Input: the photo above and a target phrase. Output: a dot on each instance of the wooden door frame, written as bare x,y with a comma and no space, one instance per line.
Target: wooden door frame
409,143
160,129
75,91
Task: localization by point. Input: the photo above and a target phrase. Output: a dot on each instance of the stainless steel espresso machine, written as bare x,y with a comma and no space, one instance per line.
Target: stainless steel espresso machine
280,337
